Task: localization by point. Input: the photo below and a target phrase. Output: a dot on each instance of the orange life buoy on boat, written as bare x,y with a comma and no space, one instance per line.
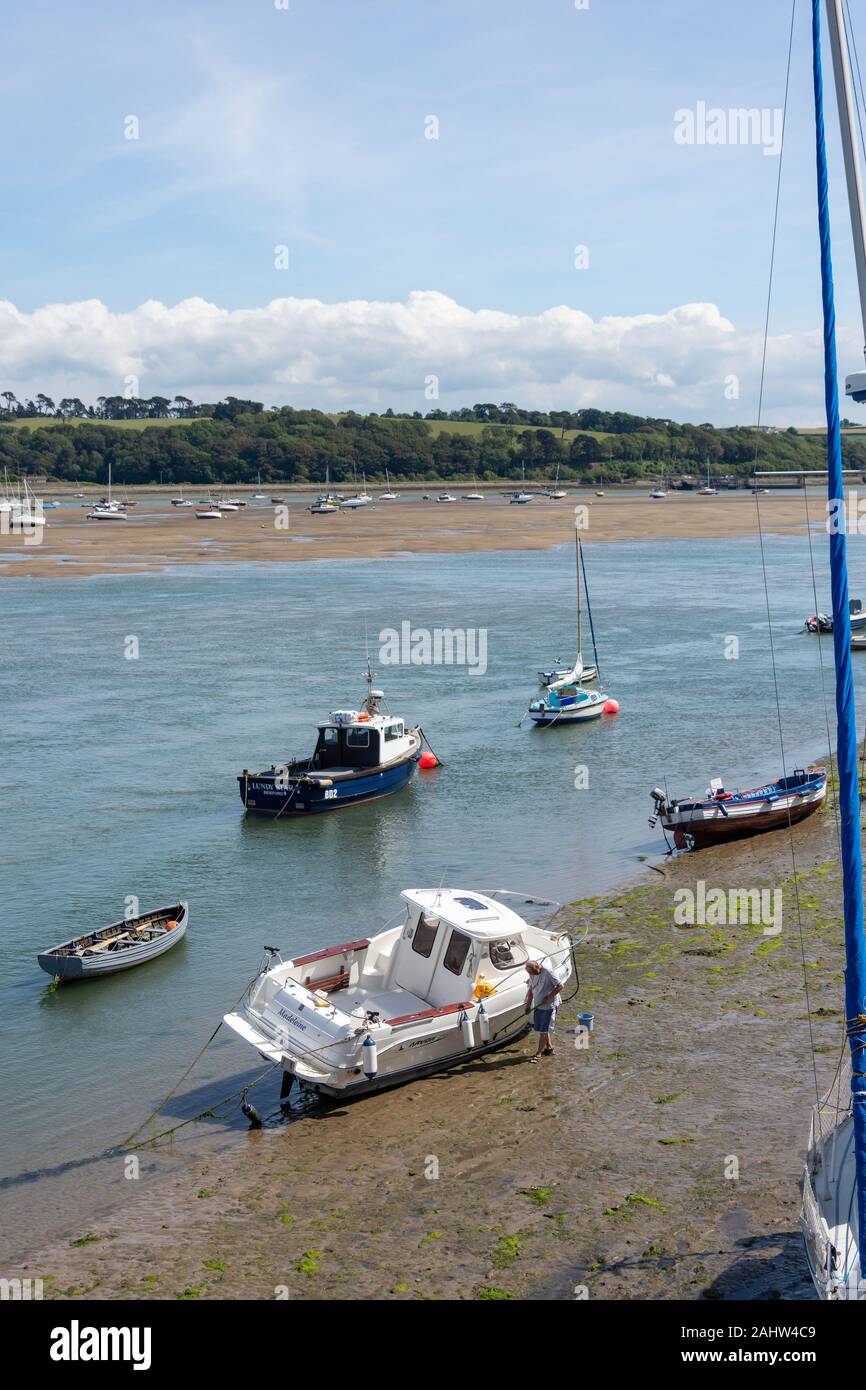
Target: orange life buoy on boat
362,718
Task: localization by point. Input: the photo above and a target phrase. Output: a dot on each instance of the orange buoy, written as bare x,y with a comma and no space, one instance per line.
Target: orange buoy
611,707
428,760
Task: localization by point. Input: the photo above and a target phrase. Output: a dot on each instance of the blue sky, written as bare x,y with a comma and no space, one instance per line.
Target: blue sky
261,126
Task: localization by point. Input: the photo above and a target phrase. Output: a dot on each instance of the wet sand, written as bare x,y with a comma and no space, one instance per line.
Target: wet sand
607,1169
153,538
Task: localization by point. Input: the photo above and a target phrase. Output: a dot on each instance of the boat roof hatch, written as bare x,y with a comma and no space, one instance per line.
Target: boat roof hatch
472,912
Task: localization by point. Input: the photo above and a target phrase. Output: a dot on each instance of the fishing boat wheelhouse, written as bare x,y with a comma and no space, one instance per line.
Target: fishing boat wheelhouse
360,755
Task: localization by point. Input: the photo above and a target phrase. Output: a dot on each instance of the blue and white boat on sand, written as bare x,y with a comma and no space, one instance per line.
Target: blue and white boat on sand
360,755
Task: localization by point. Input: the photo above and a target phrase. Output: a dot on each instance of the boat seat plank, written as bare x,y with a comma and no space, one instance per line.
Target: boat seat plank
112,941
329,983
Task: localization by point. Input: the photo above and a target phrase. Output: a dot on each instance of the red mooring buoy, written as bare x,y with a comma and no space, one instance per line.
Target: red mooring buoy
428,760
611,707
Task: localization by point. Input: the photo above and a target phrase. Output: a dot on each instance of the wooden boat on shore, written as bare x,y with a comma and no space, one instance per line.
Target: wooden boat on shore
118,947
721,815
446,983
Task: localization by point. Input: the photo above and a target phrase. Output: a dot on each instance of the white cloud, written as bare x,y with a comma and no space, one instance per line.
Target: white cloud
369,355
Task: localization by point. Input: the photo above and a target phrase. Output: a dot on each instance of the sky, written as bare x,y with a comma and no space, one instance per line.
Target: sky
415,203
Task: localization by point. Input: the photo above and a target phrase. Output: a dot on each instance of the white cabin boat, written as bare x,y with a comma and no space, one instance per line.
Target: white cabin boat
446,983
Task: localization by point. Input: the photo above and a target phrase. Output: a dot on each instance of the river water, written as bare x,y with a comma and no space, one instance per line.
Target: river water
119,774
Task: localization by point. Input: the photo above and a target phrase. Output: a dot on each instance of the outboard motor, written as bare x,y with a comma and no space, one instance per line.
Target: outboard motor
660,800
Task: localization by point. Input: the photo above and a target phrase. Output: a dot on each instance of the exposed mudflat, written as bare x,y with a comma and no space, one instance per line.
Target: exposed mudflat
71,546
660,1162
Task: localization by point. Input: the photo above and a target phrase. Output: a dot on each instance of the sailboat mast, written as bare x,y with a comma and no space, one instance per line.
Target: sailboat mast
846,714
579,609
853,178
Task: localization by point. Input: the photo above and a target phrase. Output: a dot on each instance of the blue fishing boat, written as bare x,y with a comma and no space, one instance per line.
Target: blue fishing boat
360,755
833,1213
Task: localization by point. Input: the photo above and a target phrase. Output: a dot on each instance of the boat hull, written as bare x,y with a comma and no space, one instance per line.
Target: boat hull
271,794
401,1076
565,717
94,966
710,824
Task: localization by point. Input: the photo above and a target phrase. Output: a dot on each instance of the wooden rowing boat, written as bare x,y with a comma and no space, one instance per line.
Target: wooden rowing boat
118,947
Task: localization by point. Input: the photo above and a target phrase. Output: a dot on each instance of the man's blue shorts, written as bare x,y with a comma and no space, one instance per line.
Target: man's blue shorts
543,1020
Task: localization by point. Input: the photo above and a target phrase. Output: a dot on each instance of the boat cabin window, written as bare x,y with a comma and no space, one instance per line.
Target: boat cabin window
425,936
508,953
331,736
393,731
358,738
456,953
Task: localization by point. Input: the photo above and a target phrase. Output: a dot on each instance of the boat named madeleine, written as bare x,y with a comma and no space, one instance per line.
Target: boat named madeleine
360,755
445,983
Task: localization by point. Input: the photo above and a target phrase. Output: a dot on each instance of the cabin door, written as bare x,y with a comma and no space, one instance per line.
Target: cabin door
418,956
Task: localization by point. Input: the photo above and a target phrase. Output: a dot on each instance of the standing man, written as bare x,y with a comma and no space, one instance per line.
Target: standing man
543,997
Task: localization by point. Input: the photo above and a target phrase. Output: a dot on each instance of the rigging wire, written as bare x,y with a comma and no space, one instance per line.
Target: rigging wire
761,540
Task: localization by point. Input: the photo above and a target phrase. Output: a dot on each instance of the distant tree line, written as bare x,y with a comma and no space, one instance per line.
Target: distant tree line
238,441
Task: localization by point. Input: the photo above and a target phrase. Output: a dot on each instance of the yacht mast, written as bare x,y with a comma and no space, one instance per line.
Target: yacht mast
855,383
579,609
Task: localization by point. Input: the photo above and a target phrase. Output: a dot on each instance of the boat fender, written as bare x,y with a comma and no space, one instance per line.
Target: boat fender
252,1115
483,1023
466,1026
322,781
169,926
370,1058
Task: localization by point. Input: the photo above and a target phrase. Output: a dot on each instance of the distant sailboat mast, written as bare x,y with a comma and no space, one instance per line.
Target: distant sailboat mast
579,607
